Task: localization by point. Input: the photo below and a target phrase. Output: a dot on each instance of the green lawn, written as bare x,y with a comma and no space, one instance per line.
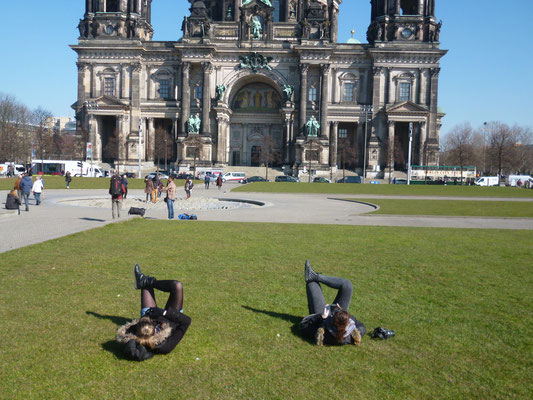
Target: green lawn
459,300
459,208
384,189
58,182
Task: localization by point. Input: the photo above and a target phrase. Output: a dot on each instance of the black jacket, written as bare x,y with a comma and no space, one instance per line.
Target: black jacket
176,324
310,324
12,202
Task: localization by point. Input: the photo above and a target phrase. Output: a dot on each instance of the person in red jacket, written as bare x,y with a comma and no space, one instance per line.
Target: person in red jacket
158,331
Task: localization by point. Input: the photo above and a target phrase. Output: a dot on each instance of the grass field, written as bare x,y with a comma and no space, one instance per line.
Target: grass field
58,182
459,300
396,190
459,208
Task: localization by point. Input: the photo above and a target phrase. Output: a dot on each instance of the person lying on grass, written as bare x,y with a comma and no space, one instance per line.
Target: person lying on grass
330,324
158,331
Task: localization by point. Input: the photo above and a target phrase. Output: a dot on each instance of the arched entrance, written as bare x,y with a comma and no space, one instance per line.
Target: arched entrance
256,130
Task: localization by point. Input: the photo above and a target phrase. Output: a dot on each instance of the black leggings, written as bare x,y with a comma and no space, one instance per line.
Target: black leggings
315,297
175,299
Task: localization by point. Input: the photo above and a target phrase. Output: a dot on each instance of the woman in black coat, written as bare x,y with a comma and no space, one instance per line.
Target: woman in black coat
158,331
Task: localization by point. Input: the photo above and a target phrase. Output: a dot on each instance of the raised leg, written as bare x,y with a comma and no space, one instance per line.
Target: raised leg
148,298
315,298
344,286
175,288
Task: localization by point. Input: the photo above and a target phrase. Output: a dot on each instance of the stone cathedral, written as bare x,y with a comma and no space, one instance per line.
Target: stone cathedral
252,81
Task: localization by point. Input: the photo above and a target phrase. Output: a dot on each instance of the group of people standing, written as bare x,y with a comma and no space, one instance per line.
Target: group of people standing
22,190
159,330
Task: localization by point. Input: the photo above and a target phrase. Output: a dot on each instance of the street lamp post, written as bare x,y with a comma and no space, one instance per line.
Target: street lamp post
410,150
90,105
140,144
484,146
366,109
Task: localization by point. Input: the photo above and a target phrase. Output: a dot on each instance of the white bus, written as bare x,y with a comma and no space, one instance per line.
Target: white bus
61,167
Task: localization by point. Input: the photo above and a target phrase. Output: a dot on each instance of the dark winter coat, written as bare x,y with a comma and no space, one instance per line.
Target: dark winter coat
12,202
172,328
26,184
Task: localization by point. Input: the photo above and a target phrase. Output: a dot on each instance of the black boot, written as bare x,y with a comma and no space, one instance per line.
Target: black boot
310,275
142,281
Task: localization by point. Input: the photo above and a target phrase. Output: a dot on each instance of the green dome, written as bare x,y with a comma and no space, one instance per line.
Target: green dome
353,41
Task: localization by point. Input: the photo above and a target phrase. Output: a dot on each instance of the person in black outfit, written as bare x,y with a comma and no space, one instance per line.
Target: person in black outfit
158,331
13,201
330,324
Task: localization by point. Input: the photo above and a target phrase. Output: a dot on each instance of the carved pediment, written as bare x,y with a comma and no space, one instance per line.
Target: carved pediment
258,5
110,101
406,107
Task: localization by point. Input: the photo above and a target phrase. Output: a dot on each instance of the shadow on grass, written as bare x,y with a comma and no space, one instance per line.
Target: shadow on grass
295,320
113,318
93,219
112,345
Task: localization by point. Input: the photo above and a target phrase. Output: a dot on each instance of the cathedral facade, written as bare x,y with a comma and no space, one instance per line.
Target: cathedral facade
256,81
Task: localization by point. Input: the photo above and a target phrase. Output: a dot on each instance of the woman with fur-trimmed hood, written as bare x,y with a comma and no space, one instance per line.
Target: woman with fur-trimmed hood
158,331
330,324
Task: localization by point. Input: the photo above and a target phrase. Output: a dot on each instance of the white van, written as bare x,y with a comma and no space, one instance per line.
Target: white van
17,169
487,181
234,176
513,179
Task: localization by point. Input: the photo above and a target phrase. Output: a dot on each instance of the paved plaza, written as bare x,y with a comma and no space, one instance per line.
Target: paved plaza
65,212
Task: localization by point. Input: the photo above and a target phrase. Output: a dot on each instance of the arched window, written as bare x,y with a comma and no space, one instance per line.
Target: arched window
409,7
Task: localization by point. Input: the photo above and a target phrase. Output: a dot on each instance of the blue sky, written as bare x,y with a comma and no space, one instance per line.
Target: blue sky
484,77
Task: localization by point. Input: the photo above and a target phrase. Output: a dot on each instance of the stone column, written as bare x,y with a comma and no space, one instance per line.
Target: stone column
206,99
93,137
82,88
304,68
422,126
120,138
433,98
418,98
89,5
324,127
391,138
376,95
150,140
334,143
185,97
334,23
287,137
93,81
223,139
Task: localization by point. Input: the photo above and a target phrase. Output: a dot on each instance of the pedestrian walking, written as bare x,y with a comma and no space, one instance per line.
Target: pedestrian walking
148,188
207,181
37,189
219,182
188,187
68,179
116,190
26,185
17,187
155,189
171,196
125,183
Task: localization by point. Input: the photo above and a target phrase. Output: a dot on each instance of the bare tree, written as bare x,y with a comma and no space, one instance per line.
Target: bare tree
43,136
459,146
83,137
68,147
194,147
269,152
502,145
346,153
523,162
14,130
162,146
111,149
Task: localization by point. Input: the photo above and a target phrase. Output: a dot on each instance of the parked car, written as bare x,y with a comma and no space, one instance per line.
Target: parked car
320,179
350,179
255,179
151,175
399,181
129,174
286,178
234,177
184,175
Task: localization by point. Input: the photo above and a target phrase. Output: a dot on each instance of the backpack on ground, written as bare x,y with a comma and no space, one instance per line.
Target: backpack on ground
187,216
116,187
137,211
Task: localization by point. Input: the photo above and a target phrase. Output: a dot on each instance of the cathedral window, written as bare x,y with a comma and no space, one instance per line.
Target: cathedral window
112,5
164,89
275,4
405,91
349,91
198,92
109,86
313,94
409,7
343,133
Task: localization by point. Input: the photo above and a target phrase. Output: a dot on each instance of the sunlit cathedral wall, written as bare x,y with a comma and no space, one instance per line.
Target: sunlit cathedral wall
261,81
